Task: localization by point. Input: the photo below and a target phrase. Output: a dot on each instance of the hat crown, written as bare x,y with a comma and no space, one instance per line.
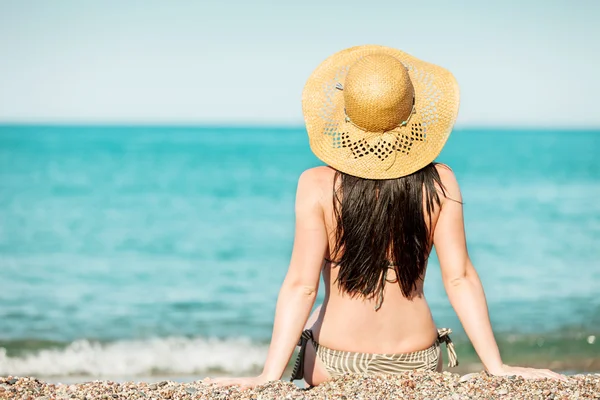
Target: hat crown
378,93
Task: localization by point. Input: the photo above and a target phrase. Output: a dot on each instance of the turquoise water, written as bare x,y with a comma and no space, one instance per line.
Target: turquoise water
150,250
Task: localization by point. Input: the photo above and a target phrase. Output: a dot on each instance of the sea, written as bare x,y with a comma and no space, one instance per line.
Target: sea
145,251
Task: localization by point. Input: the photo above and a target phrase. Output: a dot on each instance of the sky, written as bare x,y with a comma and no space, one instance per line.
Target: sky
518,63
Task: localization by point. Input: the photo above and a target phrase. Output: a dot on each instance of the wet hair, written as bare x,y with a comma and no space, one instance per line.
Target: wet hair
382,224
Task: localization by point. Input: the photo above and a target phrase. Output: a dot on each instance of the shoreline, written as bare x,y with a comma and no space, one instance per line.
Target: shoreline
409,385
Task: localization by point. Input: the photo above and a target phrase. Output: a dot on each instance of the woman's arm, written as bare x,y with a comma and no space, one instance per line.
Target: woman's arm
463,285
299,289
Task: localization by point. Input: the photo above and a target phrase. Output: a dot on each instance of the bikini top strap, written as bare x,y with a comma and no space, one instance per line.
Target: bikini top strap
383,281
381,287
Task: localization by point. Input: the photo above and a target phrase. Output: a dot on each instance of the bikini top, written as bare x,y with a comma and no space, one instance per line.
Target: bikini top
380,292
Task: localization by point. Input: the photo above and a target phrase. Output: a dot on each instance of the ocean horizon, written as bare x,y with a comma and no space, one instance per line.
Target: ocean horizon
149,251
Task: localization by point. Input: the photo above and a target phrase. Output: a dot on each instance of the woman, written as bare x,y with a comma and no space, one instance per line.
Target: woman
368,220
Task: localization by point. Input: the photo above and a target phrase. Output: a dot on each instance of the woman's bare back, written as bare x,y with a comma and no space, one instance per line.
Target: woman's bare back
352,323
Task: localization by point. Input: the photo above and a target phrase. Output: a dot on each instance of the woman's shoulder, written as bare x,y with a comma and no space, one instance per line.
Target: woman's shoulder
316,182
317,176
445,171
450,187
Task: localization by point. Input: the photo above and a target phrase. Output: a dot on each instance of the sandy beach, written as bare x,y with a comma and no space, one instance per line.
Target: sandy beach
411,385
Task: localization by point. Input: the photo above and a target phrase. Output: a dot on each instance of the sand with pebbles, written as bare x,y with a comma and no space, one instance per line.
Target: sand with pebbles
410,385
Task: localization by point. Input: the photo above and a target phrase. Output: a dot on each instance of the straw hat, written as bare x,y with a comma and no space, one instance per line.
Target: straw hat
377,112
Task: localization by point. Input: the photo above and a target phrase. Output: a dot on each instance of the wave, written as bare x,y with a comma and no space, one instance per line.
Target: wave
160,356
566,350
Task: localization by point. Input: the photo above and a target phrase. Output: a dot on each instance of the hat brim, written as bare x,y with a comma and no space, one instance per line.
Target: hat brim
379,155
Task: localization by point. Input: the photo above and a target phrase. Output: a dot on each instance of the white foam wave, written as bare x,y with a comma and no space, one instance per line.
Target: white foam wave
169,356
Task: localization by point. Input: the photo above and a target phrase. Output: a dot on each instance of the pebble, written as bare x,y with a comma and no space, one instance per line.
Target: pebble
409,385
467,377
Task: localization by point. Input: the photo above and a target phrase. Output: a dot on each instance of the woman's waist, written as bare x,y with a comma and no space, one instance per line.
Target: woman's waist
356,329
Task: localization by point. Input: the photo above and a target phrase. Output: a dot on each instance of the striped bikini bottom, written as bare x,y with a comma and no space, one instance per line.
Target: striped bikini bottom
339,362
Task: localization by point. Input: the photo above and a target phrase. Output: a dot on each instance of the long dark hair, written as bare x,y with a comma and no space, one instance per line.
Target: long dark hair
381,224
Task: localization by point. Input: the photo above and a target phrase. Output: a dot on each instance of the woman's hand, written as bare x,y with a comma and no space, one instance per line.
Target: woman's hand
527,373
243,383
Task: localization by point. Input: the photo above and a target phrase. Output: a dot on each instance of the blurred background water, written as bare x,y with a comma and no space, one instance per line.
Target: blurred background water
137,251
